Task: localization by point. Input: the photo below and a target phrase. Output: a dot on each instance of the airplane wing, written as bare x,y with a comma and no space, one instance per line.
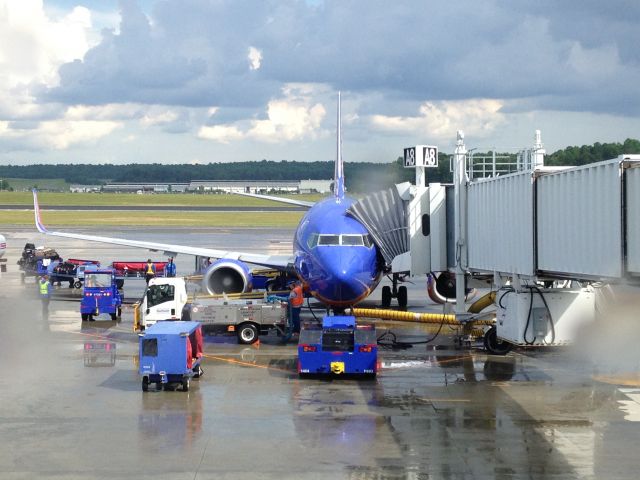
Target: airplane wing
299,203
281,262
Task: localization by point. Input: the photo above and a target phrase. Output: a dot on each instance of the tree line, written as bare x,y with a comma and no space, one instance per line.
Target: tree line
359,177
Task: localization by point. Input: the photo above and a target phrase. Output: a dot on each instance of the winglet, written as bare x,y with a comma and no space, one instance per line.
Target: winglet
36,210
338,178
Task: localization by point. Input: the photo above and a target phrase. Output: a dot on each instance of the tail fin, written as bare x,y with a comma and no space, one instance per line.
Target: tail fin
36,210
338,178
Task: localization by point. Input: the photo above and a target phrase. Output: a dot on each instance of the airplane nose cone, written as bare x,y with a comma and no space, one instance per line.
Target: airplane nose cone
351,274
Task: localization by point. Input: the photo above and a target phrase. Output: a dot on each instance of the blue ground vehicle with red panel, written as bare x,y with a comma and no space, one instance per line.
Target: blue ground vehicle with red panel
340,347
100,294
170,354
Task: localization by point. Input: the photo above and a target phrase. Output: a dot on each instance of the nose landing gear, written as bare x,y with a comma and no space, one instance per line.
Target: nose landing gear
395,291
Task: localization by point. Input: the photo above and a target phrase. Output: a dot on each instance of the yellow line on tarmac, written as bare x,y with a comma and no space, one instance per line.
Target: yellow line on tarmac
246,364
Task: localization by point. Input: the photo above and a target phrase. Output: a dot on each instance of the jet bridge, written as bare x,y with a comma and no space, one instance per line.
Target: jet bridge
408,224
530,227
547,226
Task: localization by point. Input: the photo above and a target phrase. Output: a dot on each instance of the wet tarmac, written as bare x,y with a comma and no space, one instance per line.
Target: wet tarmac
72,406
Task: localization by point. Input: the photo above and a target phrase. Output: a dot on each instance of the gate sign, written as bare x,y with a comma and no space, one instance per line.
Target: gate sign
421,156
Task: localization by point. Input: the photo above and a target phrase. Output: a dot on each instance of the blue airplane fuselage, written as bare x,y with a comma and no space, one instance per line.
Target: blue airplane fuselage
329,257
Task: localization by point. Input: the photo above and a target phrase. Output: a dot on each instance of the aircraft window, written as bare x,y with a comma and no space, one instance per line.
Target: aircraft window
352,240
313,240
329,240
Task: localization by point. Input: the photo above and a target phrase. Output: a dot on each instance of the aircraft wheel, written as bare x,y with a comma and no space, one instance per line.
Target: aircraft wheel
247,333
386,296
85,316
198,372
113,316
494,345
145,384
185,385
119,313
403,297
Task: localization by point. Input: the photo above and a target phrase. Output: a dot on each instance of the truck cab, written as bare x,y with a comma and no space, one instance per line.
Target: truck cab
100,294
164,299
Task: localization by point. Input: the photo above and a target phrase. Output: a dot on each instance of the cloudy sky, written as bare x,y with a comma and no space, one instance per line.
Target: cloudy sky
181,81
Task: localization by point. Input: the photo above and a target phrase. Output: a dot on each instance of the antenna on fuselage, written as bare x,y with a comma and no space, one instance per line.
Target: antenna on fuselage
338,177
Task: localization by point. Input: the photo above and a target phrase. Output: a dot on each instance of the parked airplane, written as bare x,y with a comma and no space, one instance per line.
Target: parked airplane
333,253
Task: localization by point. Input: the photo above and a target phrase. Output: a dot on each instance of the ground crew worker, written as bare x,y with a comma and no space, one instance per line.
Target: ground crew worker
149,271
170,268
45,295
296,298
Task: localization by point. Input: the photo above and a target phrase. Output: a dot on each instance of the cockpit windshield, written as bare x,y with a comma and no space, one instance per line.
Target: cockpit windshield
349,240
328,239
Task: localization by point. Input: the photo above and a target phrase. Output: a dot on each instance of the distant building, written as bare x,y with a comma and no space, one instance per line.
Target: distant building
145,187
224,186
85,188
245,186
315,186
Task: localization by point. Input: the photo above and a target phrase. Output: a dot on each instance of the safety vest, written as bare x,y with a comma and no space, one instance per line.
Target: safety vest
44,289
296,299
150,269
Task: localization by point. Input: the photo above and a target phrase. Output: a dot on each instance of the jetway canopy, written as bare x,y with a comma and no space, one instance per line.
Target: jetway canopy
579,223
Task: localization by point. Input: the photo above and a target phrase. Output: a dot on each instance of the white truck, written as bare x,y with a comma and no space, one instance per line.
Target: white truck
167,299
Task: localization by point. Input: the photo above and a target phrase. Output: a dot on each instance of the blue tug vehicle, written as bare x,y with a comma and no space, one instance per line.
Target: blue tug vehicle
340,346
100,294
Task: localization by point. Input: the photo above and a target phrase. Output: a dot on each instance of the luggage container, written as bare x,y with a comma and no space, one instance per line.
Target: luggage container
170,354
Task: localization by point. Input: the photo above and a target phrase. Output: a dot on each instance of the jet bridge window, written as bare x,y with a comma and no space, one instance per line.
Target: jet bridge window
158,294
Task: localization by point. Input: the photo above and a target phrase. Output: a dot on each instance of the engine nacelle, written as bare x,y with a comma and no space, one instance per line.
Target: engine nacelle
227,276
442,289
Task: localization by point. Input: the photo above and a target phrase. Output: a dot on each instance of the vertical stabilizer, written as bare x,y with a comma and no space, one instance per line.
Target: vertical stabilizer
338,178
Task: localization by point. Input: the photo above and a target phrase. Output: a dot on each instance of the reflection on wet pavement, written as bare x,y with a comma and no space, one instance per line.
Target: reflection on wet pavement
72,408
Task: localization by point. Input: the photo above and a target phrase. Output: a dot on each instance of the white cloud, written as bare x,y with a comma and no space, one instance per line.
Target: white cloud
32,47
58,134
440,120
255,58
220,133
61,134
162,117
294,117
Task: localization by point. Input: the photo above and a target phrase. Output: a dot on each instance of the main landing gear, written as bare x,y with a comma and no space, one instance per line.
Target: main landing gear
395,291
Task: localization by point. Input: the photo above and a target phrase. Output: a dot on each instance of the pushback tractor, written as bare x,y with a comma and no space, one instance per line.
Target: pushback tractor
339,347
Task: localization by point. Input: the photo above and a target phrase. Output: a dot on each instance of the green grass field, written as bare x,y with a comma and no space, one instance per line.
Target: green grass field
28,183
156,218
124,199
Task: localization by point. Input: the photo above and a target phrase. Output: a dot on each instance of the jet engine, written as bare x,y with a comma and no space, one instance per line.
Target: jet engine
442,288
227,276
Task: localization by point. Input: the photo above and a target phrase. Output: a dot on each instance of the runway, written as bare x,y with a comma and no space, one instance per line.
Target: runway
434,411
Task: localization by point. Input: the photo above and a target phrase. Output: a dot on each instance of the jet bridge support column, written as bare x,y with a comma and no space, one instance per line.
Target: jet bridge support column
460,191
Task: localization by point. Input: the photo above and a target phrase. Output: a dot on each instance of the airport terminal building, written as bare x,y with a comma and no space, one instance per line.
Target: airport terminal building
222,186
